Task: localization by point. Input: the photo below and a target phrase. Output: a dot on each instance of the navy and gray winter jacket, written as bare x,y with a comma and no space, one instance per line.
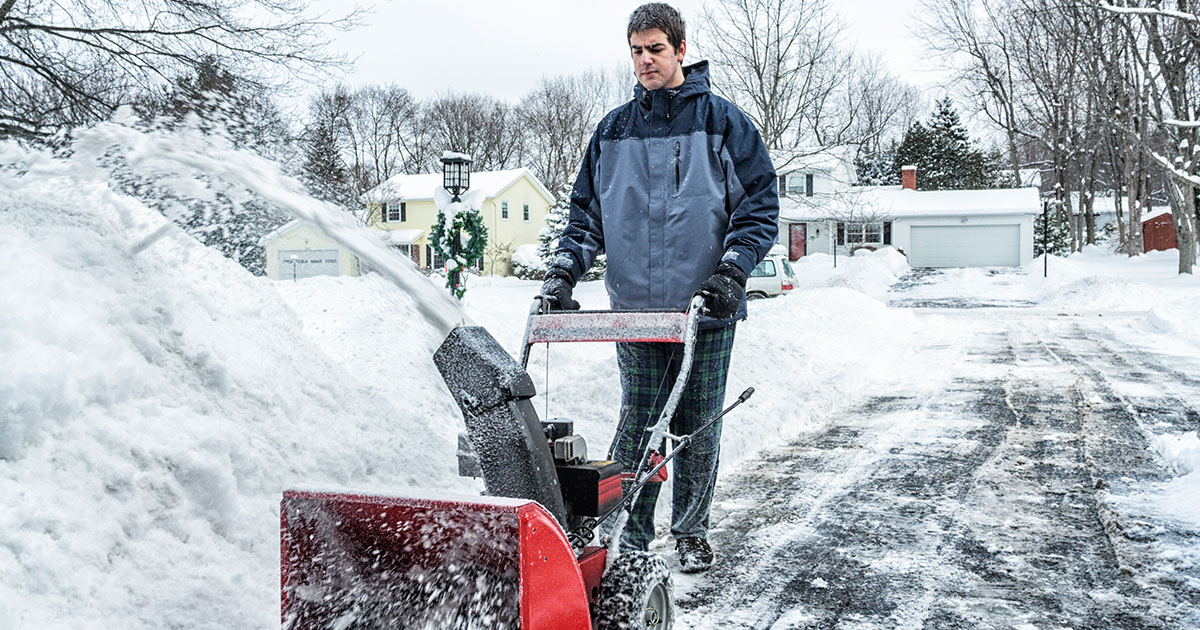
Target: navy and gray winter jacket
674,182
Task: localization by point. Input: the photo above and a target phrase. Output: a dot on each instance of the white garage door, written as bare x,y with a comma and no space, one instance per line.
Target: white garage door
965,246
306,263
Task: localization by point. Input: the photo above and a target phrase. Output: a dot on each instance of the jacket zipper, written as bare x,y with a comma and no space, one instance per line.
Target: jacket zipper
676,166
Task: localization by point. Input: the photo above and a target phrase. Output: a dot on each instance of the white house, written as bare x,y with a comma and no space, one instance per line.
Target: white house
944,228
298,249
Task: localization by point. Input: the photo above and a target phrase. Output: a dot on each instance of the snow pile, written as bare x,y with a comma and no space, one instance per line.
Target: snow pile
155,398
1180,452
527,255
1096,279
870,273
1175,499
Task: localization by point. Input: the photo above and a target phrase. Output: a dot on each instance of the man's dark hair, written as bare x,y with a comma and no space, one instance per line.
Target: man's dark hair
661,16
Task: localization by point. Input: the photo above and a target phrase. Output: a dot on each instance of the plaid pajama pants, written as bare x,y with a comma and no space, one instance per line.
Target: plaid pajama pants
648,370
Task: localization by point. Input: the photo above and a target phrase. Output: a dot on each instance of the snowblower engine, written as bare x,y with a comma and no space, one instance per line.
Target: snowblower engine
507,445
590,488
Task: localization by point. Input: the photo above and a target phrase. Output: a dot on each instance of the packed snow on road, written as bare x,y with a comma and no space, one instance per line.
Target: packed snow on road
156,398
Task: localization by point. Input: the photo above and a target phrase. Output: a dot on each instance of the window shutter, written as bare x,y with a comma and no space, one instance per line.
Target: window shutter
841,236
808,185
403,212
887,232
783,184
383,212
428,255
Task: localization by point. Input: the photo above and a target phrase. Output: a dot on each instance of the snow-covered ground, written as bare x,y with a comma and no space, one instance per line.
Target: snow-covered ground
155,398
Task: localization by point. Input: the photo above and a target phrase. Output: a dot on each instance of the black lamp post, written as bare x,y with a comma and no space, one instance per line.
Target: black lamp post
456,179
456,173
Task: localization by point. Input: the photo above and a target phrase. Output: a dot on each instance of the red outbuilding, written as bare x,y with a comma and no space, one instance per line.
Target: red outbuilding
1158,233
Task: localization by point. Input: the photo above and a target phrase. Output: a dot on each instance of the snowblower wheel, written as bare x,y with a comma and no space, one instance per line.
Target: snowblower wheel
636,593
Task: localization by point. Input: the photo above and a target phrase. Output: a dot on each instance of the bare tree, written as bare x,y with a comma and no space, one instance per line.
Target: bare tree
382,133
1172,38
559,116
780,62
970,36
877,105
70,62
487,129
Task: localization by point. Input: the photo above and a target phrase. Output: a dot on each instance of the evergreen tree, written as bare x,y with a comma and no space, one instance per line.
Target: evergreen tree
219,103
324,171
944,154
556,221
878,169
1059,238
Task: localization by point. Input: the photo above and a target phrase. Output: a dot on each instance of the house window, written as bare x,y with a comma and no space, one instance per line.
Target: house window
795,184
504,210
525,213
860,233
397,212
436,260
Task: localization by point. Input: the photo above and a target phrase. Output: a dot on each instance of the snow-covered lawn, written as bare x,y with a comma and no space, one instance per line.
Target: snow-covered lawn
155,398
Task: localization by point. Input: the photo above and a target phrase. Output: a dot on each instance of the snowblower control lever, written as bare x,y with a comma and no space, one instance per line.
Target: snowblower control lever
681,442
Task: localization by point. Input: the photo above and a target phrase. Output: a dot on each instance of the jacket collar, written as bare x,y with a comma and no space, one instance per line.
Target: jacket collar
667,102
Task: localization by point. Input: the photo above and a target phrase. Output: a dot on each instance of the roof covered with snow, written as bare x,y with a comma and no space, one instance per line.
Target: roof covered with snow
420,187
897,202
404,237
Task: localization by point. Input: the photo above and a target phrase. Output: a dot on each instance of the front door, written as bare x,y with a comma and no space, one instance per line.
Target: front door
797,240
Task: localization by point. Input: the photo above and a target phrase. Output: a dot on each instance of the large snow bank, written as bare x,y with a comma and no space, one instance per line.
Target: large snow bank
155,398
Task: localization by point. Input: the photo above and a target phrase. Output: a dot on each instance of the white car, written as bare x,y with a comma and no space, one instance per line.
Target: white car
773,276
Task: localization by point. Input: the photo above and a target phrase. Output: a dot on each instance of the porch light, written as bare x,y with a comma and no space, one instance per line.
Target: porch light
456,173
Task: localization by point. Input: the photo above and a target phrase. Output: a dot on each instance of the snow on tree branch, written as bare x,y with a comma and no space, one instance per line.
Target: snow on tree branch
1180,15
1174,169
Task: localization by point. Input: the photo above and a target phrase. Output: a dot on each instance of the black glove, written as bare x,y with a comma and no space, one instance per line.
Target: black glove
557,287
723,291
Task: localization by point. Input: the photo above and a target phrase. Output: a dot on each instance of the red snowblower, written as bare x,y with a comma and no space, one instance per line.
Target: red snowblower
527,555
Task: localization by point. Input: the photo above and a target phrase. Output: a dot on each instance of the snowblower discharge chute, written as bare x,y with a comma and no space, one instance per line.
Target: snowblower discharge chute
522,557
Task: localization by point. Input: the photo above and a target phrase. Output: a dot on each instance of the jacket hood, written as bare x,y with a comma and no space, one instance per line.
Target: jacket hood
668,101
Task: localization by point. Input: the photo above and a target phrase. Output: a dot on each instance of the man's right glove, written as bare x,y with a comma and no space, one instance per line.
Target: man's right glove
558,286
723,291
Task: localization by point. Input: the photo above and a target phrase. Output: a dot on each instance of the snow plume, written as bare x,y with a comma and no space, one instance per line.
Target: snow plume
155,397
191,158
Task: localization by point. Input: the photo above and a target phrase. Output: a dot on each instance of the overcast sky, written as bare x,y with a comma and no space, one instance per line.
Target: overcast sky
503,47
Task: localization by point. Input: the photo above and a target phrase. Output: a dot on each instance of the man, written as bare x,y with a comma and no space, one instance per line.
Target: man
678,190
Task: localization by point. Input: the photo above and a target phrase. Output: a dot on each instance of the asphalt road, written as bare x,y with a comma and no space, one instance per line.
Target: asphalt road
979,491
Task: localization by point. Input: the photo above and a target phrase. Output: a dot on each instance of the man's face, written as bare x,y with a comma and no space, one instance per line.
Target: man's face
655,62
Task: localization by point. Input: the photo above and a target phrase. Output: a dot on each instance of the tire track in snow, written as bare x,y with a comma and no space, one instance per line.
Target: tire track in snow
1118,429
969,506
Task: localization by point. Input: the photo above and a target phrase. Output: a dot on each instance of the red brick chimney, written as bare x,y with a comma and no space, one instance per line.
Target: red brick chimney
908,177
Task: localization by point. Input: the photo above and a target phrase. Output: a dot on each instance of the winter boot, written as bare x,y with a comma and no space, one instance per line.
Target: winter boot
694,554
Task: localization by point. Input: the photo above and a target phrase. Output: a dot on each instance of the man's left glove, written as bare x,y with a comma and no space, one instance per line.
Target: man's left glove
558,286
723,291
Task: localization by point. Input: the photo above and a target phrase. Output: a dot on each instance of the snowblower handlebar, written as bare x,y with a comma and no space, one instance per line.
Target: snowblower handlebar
549,326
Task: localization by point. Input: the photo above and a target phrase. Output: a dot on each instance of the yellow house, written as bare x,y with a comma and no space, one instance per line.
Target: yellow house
297,250
514,211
